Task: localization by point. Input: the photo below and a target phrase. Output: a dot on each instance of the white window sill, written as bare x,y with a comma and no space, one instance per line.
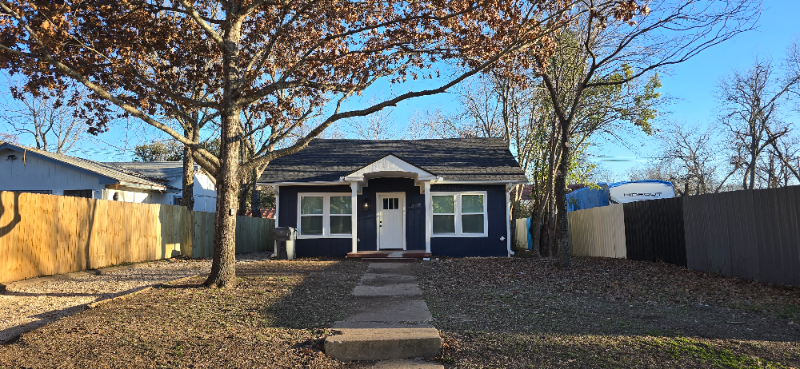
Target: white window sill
467,235
310,237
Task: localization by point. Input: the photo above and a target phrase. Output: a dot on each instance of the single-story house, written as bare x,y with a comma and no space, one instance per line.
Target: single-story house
445,197
171,173
26,169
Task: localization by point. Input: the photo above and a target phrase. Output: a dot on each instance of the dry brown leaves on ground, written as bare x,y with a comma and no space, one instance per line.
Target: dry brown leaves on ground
518,313
274,318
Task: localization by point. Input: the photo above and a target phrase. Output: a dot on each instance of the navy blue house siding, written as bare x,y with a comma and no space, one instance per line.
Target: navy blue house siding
415,213
288,218
477,246
415,220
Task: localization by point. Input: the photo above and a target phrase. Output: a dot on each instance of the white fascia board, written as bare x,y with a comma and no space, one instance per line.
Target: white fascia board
320,183
142,186
444,181
388,163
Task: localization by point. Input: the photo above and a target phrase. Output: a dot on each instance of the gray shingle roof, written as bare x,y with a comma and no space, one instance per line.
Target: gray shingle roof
106,170
455,159
167,171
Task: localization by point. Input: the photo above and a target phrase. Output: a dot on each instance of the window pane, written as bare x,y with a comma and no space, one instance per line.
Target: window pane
472,223
341,205
341,225
311,225
311,205
472,203
444,224
443,204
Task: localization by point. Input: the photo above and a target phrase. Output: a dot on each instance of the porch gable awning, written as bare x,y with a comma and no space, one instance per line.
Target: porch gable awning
389,166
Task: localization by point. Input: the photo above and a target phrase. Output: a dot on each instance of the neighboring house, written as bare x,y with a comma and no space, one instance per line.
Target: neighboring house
24,169
447,197
171,173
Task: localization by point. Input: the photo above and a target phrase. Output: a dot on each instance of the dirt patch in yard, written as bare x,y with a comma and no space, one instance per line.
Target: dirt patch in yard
275,317
509,312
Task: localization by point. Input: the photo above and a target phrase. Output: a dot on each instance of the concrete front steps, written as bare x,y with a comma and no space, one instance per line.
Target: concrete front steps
407,364
387,320
389,256
383,343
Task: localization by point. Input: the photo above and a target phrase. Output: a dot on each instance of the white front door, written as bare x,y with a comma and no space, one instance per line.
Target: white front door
391,207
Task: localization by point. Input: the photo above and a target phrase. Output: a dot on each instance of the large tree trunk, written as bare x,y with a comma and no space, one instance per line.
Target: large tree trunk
223,267
562,229
188,174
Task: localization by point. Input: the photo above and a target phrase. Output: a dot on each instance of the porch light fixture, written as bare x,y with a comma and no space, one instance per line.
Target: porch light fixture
366,205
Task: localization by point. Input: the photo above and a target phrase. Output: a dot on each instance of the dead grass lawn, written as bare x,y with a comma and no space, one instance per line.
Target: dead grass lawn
274,318
520,313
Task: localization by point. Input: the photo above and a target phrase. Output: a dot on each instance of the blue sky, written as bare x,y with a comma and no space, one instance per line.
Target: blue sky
691,85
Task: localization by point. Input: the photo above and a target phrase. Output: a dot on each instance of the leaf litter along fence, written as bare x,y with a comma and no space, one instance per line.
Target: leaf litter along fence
751,234
46,235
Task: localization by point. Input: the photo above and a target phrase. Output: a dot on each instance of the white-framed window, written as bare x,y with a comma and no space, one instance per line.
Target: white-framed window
459,214
324,215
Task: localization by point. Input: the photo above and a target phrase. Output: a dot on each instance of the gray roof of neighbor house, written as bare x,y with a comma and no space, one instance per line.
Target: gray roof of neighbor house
161,170
108,172
454,159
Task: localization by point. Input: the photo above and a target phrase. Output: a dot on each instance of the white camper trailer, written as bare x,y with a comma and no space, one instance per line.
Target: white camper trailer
625,192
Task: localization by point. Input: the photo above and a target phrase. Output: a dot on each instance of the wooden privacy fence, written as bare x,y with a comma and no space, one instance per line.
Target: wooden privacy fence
521,234
598,232
752,234
654,231
46,235
252,235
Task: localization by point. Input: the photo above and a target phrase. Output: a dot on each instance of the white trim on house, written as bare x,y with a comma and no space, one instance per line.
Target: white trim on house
326,226
458,213
446,181
378,220
277,190
428,216
436,181
389,166
317,183
508,219
354,187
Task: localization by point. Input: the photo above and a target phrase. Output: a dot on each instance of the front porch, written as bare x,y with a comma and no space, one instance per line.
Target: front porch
389,256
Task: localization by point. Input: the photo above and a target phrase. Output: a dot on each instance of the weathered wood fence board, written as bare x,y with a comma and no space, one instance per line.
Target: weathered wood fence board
654,231
750,234
521,234
46,235
598,232
252,235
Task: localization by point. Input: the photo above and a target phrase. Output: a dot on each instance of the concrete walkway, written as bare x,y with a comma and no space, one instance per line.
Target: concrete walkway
387,320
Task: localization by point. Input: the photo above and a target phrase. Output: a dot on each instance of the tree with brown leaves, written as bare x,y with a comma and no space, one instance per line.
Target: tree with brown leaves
277,63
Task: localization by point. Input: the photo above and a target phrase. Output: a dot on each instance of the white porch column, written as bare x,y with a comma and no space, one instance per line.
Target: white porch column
354,214
277,190
508,219
428,216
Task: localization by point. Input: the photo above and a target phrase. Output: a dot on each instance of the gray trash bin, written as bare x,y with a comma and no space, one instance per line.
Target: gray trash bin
284,243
